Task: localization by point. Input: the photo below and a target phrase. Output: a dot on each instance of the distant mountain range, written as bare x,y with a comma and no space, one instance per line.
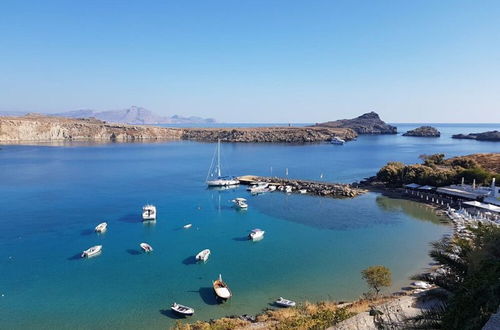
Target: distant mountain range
133,115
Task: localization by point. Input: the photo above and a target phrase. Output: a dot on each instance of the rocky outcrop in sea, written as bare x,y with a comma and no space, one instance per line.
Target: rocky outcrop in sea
423,131
485,136
368,123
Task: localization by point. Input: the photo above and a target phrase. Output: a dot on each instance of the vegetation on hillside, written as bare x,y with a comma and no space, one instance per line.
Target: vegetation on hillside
435,170
471,280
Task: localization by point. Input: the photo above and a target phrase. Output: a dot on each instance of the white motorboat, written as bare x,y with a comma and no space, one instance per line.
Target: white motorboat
221,289
91,252
101,228
240,203
214,177
146,247
303,191
337,141
203,255
285,302
181,309
189,225
256,234
288,189
149,212
259,188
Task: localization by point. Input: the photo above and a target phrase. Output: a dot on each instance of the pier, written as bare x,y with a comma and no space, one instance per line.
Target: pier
319,188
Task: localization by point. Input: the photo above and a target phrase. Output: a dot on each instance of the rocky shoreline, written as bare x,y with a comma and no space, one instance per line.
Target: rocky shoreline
40,128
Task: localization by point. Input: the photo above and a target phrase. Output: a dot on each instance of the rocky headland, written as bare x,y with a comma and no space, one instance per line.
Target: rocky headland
485,136
41,128
423,131
268,134
368,123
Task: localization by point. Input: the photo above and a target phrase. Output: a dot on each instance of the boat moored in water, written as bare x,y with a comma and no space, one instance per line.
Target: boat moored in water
91,252
256,234
285,302
215,178
149,212
101,228
203,255
221,289
189,225
181,309
146,247
240,203
337,141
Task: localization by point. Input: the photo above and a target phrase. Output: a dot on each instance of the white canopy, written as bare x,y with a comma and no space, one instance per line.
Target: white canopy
489,207
412,185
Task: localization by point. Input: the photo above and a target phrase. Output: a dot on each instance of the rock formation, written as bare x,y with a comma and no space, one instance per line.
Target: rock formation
268,134
368,123
423,131
485,136
40,128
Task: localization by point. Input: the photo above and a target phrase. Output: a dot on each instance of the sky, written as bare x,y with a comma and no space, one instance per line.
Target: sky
255,60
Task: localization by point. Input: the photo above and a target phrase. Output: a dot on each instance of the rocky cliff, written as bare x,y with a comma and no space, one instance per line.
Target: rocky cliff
485,136
423,131
38,128
45,128
368,123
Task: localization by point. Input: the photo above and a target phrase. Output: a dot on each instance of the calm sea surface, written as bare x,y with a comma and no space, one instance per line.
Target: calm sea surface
51,198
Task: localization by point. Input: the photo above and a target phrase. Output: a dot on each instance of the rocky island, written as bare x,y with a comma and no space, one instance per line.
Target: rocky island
423,131
368,123
42,128
485,136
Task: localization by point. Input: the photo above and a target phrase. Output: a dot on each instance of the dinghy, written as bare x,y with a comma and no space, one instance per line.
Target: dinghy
91,252
181,309
189,225
256,234
203,255
221,289
101,228
146,247
285,302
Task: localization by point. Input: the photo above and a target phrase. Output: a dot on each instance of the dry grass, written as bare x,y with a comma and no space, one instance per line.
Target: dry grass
490,161
305,316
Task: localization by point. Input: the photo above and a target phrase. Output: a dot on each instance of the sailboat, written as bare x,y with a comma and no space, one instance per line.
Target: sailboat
214,177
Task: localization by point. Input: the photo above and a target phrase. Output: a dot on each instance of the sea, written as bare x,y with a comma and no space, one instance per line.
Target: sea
53,195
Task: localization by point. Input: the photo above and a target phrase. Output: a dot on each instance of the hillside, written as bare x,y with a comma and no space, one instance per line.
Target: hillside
368,123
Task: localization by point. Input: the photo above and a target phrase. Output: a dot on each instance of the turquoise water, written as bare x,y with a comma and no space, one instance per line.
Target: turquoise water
52,198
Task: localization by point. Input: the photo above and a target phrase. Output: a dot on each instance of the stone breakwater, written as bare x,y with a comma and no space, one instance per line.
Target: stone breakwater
38,128
326,189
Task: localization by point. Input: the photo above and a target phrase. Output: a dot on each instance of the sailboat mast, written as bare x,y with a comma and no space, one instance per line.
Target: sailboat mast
218,158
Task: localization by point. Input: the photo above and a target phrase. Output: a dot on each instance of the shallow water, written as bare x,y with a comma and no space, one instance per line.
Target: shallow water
314,248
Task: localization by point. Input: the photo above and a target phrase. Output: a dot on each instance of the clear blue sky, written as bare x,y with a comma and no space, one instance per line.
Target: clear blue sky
255,61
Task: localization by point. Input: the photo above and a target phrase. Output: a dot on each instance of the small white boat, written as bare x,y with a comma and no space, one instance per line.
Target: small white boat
256,234
221,289
203,255
101,228
91,252
149,212
303,191
285,302
240,203
288,189
146,247
337,141
259,188
181,309
189,225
